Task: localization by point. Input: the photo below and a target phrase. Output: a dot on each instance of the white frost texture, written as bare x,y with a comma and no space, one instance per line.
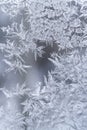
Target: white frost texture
43,64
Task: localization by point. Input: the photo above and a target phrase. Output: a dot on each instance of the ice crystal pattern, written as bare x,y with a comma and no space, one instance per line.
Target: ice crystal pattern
61,102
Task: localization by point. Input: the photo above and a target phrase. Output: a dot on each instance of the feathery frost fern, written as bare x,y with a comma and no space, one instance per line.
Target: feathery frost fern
61,101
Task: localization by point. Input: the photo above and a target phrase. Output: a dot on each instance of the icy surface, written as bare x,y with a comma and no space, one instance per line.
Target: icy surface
43,65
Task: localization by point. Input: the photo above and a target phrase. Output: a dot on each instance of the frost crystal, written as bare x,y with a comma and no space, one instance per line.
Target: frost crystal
60,101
